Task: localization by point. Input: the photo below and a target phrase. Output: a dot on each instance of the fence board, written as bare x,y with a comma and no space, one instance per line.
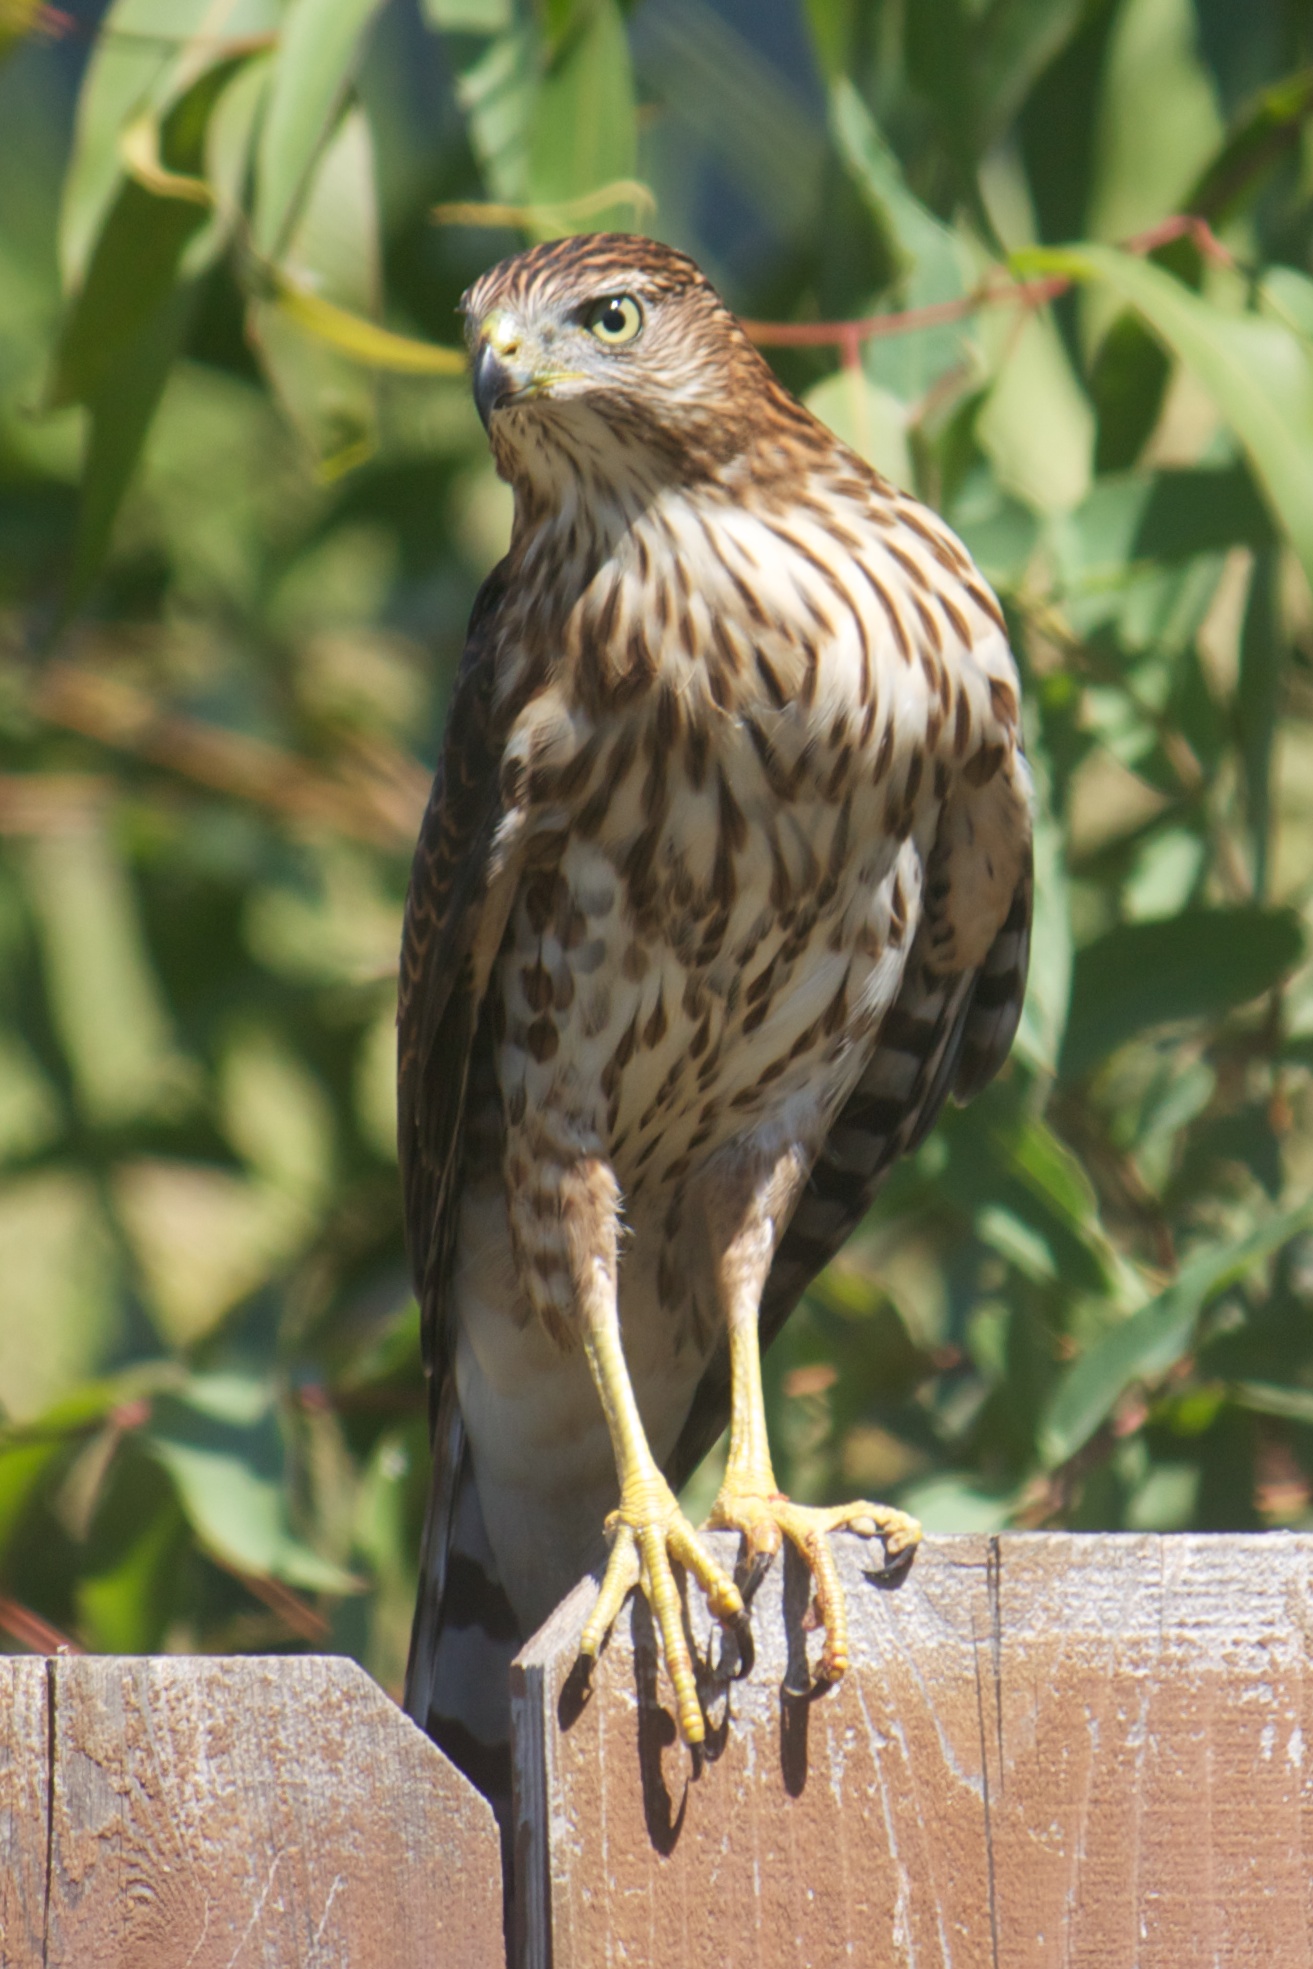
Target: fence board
24,1804
1053,1750
240,1814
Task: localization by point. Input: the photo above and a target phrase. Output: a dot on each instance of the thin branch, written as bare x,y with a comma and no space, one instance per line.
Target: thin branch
846,336
32,1631
379,800
296,1613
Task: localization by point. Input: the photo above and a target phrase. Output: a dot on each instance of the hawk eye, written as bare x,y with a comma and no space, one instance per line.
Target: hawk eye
615,320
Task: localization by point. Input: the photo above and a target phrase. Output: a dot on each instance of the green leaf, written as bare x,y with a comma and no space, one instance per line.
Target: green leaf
976,65
1258,705
1200,511
230,1475
1269,1398
317,57
22,1469
1258,373
1127,382
582,132
1036,425
132,309
364,342
1262,137
940,51
18,19
127,290
1002,1158
121,416
62,1296
1024,37
725,93
332,259
1149,1343
496,94
137,1540
952,1504
1158,117
468,16
1048,985
831,23
147,52
871,420
931,259
1198,965
230,133
106,1000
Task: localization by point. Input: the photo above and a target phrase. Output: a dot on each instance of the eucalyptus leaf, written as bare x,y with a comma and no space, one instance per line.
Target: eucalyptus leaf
931,261
496,92
1198,965
469,16
1159,121
317,55
582,131
871,420
1147,1344
229,1476
128,291
1258,372
329,279
1257,707
147,54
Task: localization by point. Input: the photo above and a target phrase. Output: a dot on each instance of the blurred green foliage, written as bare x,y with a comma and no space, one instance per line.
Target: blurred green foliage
244,506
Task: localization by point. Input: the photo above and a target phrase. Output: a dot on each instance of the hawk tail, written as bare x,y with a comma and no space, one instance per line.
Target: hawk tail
464,1634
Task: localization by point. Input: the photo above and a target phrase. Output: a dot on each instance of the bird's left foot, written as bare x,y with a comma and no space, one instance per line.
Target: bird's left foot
765,1519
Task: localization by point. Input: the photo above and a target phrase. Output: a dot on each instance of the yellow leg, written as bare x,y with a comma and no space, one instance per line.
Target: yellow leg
749,1500
649,1528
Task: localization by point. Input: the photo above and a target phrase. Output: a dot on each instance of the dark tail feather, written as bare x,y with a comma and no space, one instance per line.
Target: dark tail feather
465,1635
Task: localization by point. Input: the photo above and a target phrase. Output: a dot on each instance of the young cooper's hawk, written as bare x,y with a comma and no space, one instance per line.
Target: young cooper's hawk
723,887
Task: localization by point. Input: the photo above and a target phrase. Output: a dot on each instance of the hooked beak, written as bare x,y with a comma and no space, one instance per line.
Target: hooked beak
493,382
510,367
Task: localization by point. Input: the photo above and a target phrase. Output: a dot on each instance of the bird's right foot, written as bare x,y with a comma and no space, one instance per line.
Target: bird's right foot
649,1532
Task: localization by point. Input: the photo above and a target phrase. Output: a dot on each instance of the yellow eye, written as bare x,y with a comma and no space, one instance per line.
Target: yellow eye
617,319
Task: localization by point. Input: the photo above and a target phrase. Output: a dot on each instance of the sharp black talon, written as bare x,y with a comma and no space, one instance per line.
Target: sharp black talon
747,1647
749,1574
893,1570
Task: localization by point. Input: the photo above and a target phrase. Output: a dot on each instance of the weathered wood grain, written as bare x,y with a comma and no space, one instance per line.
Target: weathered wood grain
241,1814
24,1809
1090,1752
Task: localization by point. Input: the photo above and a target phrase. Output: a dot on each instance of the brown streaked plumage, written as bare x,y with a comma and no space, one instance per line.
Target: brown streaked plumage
723,888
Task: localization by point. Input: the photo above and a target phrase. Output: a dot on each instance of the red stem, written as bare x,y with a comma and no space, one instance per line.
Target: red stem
33,1632
847,336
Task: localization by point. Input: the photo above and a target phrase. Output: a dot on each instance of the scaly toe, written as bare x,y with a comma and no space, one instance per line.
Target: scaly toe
763,1520
648,1536
621,1576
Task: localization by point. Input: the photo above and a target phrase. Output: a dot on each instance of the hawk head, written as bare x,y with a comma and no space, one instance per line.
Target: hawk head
610,353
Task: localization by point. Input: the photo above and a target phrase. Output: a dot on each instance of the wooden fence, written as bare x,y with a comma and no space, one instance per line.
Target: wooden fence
1052,1750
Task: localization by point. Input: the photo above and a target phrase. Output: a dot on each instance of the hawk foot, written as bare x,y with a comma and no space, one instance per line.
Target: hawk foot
650,1531
765,1520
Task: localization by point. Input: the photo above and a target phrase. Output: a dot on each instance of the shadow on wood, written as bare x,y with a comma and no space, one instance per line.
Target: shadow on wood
233,1814
1052,1750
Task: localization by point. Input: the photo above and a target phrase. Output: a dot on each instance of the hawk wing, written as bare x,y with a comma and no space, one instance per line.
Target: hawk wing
452,917
946,1033
460,894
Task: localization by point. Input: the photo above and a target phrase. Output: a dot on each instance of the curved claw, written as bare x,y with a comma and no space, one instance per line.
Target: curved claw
646,1542
763,1520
